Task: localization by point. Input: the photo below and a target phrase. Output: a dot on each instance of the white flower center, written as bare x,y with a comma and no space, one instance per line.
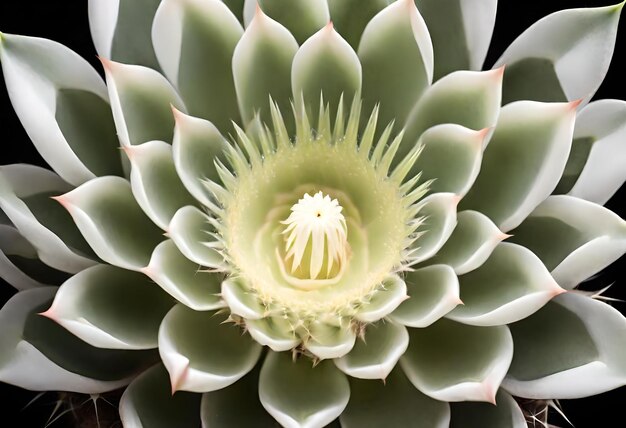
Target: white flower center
316,237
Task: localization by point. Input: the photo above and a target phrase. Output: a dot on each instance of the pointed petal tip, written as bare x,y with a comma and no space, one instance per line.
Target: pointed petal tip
49,313
490,392
574,104
499,72
63,200
503,236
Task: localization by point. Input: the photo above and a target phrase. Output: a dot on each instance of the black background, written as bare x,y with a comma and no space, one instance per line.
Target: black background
66,22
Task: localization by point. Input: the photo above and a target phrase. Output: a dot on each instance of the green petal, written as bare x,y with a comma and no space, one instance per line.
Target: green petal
109,218
155,183
25,198
63,105
120,30
397,57
325,65
275,332
38,354
236,7
300,396
109,307
141,100
149,403
262,67
511,285
574,347
455,362
393,403
183,279
330,341
194,41
433,292
461,31
241,300
301,17
537,136
471,243
562,57
505,414
202,353
574,238
192,232
351,16
384,301
378,351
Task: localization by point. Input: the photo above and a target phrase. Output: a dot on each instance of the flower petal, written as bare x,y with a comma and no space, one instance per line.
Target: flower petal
262,67
351,16
471,243
112,308
574,347
182,278
375,356
275,332
202,353
505,414
393,403
241,301
300,396
62,103
574,238
594,170
456,362
155,183
524,161
25,192
38,354
191,231
120,30
194,41
302,18
149,403
325,65
329,341
461,31
384,301
141,101
397,57
562,57
109,218
433,292
511,285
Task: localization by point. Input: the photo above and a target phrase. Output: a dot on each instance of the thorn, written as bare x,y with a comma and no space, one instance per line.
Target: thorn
458,301
502,236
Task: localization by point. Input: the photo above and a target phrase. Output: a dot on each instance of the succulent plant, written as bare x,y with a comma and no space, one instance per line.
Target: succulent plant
322,212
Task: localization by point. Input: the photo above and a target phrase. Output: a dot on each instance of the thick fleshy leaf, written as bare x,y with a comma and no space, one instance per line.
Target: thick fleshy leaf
511,285
112,308
397,57
236,7
194,41
241,300
451,157
471,243
141,101
439,211
391,293
573,347
594,170
262,67
298,395
275,332
120,30
461,32
191,231
351,16
574,238
25,192
109,218
38,354
302,17
456,362
393,403
524,161
237,405
196,147
375,356
562,57
63,105
203,353
155,183
433,292
325,65
330,341
149,403
505,414
467,98
183,279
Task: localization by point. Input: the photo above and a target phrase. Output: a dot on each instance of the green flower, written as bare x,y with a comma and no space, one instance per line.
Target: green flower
311,197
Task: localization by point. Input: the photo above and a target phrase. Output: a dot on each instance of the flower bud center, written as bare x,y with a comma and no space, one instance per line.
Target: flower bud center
316,237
